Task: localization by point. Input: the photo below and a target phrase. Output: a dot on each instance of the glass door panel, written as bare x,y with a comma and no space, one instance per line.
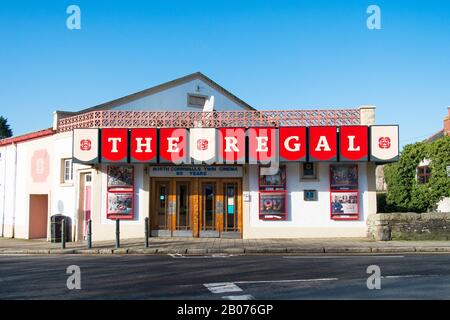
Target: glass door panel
230,216
209,206
161,205
183,212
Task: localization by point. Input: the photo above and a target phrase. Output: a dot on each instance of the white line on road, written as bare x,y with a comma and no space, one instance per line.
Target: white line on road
339,257
411,276
241,297
287,281
222,287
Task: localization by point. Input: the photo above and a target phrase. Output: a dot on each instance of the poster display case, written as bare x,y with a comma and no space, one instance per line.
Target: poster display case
272,205
272,195
344,194
120,196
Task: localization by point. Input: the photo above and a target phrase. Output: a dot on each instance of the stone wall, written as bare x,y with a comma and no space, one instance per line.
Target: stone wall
409,226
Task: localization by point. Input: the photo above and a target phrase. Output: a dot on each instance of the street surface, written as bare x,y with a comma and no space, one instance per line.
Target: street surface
425,276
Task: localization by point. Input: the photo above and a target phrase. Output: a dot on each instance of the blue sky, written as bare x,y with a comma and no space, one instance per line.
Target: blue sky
272,54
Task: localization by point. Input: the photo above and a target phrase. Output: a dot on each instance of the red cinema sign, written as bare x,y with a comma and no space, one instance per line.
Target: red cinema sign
353,143
322,143
143,145
114,145
172,145
232,145
292,143
262,145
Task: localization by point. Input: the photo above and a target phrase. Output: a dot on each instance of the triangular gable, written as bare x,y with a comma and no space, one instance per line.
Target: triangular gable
173,96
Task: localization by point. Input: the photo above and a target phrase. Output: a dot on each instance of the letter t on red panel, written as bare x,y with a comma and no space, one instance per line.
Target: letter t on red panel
114,145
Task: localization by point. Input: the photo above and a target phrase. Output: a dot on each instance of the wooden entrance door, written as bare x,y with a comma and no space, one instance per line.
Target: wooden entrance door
209,209
160,221
232,209
196,207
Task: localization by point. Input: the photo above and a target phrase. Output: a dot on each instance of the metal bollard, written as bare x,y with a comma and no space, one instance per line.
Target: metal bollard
117,233
63,233
89,234
146,232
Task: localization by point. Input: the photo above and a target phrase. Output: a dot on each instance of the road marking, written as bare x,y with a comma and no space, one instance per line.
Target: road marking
287,281
410,276
339,257
222,287
241,297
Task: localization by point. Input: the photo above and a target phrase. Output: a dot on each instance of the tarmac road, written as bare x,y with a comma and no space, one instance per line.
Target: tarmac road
417,276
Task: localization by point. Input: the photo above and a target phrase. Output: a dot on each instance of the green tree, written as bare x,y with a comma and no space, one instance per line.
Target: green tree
404,191
5,130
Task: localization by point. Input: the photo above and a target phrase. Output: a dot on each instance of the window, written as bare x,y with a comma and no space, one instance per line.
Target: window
308,170
423,174
196,100
67,171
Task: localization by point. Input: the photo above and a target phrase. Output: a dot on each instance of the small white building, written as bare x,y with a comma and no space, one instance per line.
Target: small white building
198,162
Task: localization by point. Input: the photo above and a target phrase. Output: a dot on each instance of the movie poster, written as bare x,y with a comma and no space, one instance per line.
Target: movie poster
344,177
120,176
272,205
344,203
273,181
120,203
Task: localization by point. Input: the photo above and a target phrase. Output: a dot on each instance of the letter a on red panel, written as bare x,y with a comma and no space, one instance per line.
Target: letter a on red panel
322,143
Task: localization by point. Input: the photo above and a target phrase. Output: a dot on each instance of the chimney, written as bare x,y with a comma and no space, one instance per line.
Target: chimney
447,123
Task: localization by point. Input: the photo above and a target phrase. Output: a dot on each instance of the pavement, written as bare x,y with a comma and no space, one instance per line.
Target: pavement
202,246
224,277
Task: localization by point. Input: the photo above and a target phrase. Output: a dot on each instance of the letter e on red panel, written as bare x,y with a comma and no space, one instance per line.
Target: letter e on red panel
262,145
172,145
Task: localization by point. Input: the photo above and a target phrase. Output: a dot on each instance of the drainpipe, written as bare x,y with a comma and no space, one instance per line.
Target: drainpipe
14,192
4,194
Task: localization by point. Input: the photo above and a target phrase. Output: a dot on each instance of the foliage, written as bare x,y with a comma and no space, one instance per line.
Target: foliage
404,192
5,130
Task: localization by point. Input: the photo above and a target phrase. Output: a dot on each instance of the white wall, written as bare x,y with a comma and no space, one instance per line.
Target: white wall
18,184
175,99
443,205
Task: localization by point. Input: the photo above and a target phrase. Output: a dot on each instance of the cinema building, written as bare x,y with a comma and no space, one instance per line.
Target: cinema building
198,162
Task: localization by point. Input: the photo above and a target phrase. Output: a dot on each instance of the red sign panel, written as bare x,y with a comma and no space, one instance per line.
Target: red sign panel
232,145
114,145
262,145
172,145
292,143
143,145
322,143
354,143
